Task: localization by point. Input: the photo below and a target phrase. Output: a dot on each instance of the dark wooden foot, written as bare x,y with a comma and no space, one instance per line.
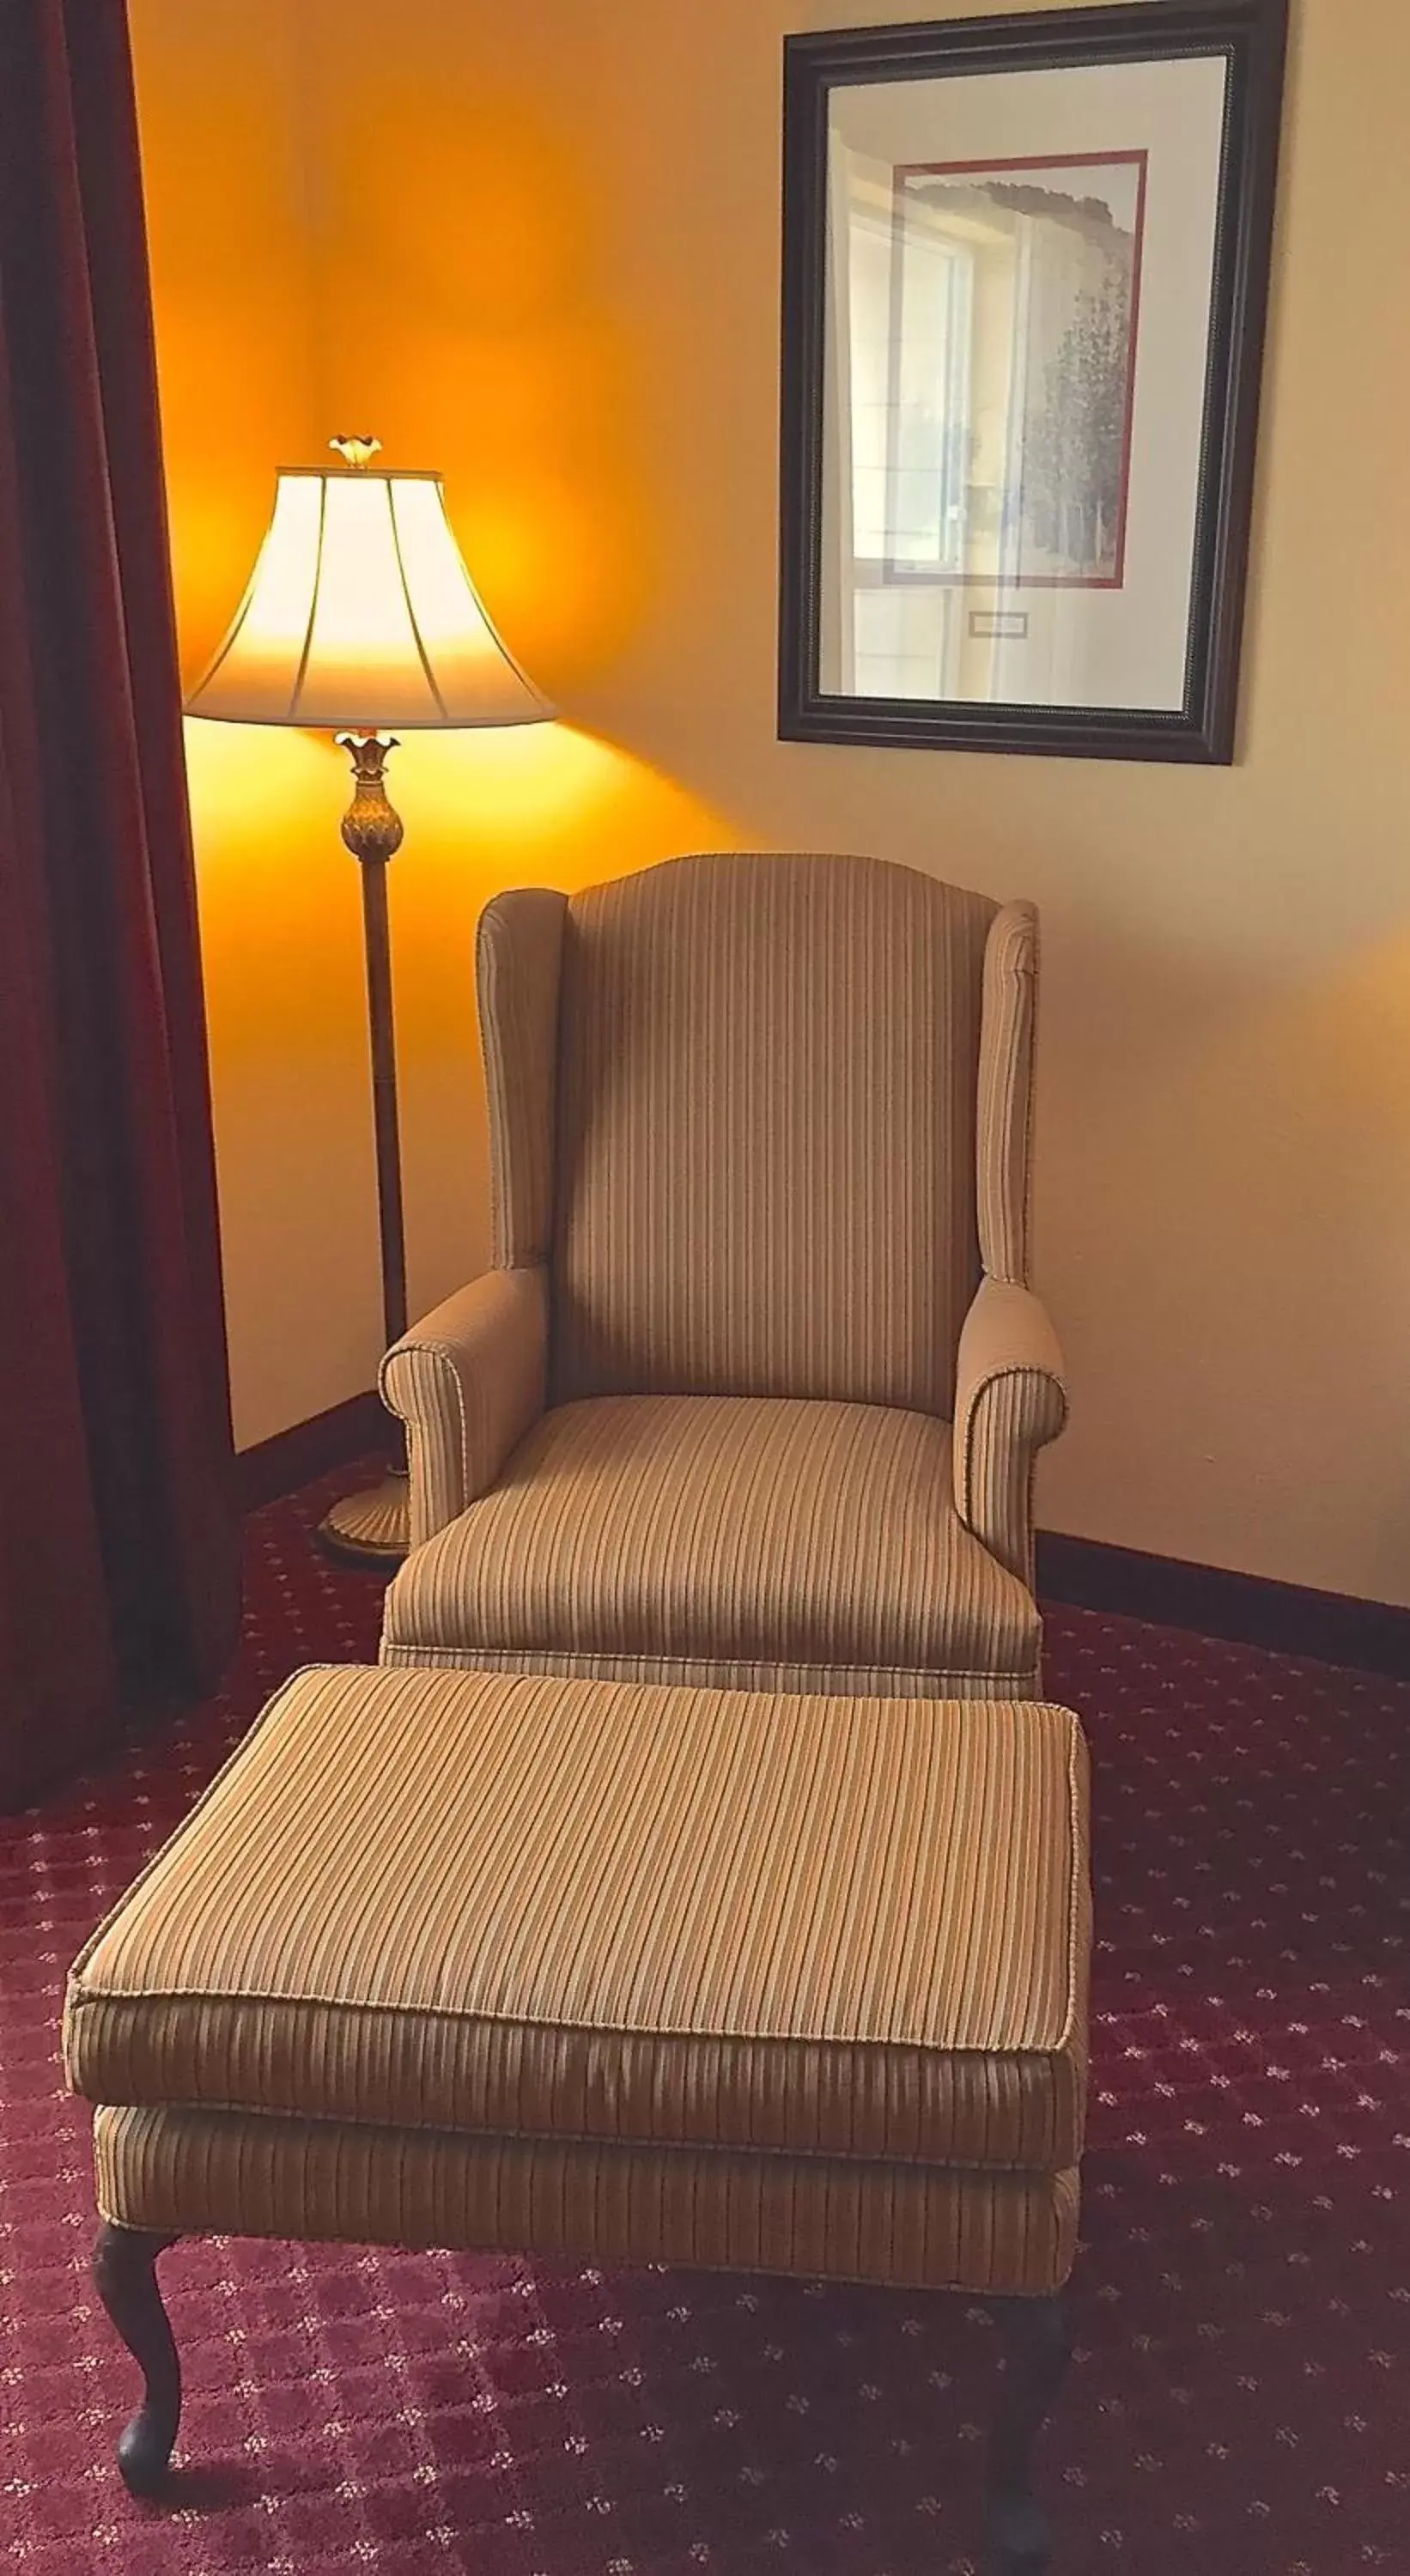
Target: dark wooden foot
124,2271
1036,2353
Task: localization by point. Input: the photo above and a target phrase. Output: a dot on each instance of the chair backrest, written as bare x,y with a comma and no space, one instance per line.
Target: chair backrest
735,1101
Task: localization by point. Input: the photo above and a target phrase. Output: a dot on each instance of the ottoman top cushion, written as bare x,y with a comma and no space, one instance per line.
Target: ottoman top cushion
560,1908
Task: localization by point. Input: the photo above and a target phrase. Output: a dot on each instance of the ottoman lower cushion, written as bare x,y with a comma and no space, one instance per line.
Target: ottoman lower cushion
528,1908
916,2226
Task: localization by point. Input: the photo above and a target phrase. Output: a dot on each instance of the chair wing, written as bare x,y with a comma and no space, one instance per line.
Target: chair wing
518,957
1004,1138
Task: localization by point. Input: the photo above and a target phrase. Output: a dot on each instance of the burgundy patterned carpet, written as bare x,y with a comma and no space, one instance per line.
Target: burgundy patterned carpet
1241,2401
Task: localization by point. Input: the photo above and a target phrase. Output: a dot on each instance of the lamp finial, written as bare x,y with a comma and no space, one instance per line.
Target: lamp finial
357,452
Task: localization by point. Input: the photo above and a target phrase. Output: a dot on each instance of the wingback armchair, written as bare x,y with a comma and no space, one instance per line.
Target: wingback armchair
753,1392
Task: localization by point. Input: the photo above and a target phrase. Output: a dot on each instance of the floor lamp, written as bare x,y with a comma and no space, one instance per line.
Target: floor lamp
360,616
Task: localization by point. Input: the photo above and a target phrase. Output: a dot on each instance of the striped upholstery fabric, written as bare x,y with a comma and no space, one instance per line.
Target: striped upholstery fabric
767,1086
468,1383
915,2226
755,1121
1006,1065
1010,1400
735,1540
518,950
539,1908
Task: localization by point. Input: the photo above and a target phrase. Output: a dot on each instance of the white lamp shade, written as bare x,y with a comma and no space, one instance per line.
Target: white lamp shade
361,616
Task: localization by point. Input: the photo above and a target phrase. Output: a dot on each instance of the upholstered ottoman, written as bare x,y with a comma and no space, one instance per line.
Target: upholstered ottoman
612,1971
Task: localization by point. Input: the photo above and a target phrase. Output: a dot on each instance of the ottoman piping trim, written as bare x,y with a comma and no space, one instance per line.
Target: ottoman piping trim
82,1995
409,1654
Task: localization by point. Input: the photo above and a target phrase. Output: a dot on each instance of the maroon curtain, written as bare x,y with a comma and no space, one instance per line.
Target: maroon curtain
118,1555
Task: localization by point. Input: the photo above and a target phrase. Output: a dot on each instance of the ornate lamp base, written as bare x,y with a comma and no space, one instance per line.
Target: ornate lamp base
372,1528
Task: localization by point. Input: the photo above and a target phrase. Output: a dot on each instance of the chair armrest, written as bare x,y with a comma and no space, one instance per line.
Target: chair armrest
1009,1400
468,1382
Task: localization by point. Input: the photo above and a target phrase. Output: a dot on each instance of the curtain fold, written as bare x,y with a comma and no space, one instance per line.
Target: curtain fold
118,1531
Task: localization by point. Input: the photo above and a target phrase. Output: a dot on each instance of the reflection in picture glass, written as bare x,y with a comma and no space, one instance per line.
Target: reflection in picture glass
994,319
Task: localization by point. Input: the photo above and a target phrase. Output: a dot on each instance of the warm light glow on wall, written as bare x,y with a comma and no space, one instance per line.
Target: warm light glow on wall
244,789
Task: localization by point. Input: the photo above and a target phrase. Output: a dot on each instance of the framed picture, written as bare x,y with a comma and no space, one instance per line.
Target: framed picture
1025,287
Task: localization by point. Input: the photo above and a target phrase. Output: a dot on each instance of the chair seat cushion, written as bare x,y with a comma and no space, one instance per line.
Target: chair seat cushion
699,1534
521,1906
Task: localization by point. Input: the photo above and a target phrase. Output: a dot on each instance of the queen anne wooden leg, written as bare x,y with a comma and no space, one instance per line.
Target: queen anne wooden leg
124,2272
1037,2349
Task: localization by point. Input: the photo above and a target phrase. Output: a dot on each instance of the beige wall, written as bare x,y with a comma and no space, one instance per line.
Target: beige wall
541,251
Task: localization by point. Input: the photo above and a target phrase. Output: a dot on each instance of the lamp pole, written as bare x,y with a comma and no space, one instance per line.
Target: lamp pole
372,830
370,1529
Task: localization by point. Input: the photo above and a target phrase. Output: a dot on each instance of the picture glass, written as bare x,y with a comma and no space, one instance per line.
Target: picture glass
1020,278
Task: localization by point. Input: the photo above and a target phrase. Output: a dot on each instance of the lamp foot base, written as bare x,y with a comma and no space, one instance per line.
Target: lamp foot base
370,1529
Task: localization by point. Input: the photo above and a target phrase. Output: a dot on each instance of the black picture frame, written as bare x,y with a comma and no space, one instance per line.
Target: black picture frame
1253,36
